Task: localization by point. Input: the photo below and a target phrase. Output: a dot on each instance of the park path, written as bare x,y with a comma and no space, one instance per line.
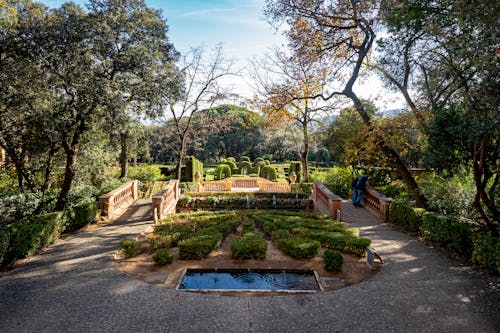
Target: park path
73,287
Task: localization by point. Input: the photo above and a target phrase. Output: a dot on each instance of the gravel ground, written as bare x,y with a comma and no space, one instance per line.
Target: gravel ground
73,287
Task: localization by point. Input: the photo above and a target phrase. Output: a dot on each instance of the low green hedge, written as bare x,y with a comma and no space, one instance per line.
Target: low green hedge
486,252
446,231
162,257
80,215
249,246
131,247
300,248
199,246
405,215
333,260
4,243
342,242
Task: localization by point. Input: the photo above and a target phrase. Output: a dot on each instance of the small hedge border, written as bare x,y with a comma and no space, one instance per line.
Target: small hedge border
300,248
249,246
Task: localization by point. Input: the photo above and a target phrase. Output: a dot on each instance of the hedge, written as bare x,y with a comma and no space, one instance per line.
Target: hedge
300,248
333,260
222,171
268,172
342,242
486,252
231,164
297,168
259,161
28,236
245,159
4,243
305,188
162,257
199,246
192,165
80,215
249,246
131,247
446,231
407,216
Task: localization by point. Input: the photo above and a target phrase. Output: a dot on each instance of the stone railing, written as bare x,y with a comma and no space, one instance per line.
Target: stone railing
114,203
378,202
217,187
274,187
325,202
245,182
165,201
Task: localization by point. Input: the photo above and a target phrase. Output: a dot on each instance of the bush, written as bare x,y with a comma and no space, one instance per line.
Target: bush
446,231
198,247
231,159
305,188
333,260
223,171
300,248
336,179
246,167
162,257
130,247
405,215
268,172
248,226
249,246
276,235
342,242
80,215
232,165
4,243
160,242
18,206
28,236
259,161
188,187
193,165
145,172
297,168
486,252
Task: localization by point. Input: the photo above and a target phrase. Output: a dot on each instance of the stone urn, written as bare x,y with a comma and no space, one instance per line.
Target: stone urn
197,177
293,177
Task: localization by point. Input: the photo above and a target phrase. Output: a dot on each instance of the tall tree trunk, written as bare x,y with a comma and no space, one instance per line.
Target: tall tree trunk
124,155
305,154
69,176
180,156
49,166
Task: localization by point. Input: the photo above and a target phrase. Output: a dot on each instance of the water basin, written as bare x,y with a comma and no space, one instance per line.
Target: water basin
249,280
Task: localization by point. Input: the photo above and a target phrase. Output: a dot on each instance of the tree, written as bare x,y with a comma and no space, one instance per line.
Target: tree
342,31
202,88
289,91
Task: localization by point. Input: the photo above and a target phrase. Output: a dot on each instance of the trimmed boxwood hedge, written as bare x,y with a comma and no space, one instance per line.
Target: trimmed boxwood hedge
446,231
300,248
269,172
80,215
222,171
333,260
199,246
405,215
486,252
249,246
162,257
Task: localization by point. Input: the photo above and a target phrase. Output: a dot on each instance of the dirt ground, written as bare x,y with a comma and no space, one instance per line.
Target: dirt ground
143,267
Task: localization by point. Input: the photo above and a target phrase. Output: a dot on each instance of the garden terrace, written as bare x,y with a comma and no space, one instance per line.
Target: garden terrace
245,184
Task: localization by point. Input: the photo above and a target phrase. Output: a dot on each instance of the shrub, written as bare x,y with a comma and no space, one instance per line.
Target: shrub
188,187
269,173
300,248
405,215
258,162
486,252
167,171
80,215
130,247
28,236
333,260
342,242
198,247
144,172
162,257
249,246
4,243
160,242
245,159
446,231
231,159
192,166
276,235
297,168
223,171
305,188
232,165
246,167
336,179
248,226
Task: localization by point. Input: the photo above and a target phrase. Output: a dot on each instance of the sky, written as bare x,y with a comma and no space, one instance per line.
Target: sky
244,33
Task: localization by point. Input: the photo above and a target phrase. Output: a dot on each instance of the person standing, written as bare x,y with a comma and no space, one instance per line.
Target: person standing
361,184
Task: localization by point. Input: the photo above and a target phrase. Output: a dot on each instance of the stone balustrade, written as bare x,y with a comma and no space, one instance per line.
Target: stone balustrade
245,182
274,187
165,202
378,202
217,187
325,202
114,203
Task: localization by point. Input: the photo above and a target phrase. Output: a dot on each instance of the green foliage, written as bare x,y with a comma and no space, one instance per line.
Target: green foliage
259,161
333,260
245,159
131,247
18,206
231,159
246,167
297,168
162,257
269,172
343,242
278,234
28,236
4,243
300,248
486,252
446,231
223,171
159,242
79,215
188,187
198,247
405,215
249,246
305,188
247,226
193,165
336,179
145,172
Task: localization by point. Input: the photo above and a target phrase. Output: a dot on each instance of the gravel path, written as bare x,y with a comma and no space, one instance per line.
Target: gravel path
73,287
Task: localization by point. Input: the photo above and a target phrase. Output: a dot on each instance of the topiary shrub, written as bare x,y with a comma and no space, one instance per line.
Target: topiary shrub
245,159
333,260
297,168
302,188
300,248
232,165
486,252
162,257
248,226
223,171
342,242
258,161
130,247
249,246
268,172
4,243
405,215
198,247
192,166
246,167
231,159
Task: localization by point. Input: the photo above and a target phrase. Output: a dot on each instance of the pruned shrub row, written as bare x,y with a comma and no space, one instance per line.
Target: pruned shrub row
192,166
249,246
333,260
300,248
